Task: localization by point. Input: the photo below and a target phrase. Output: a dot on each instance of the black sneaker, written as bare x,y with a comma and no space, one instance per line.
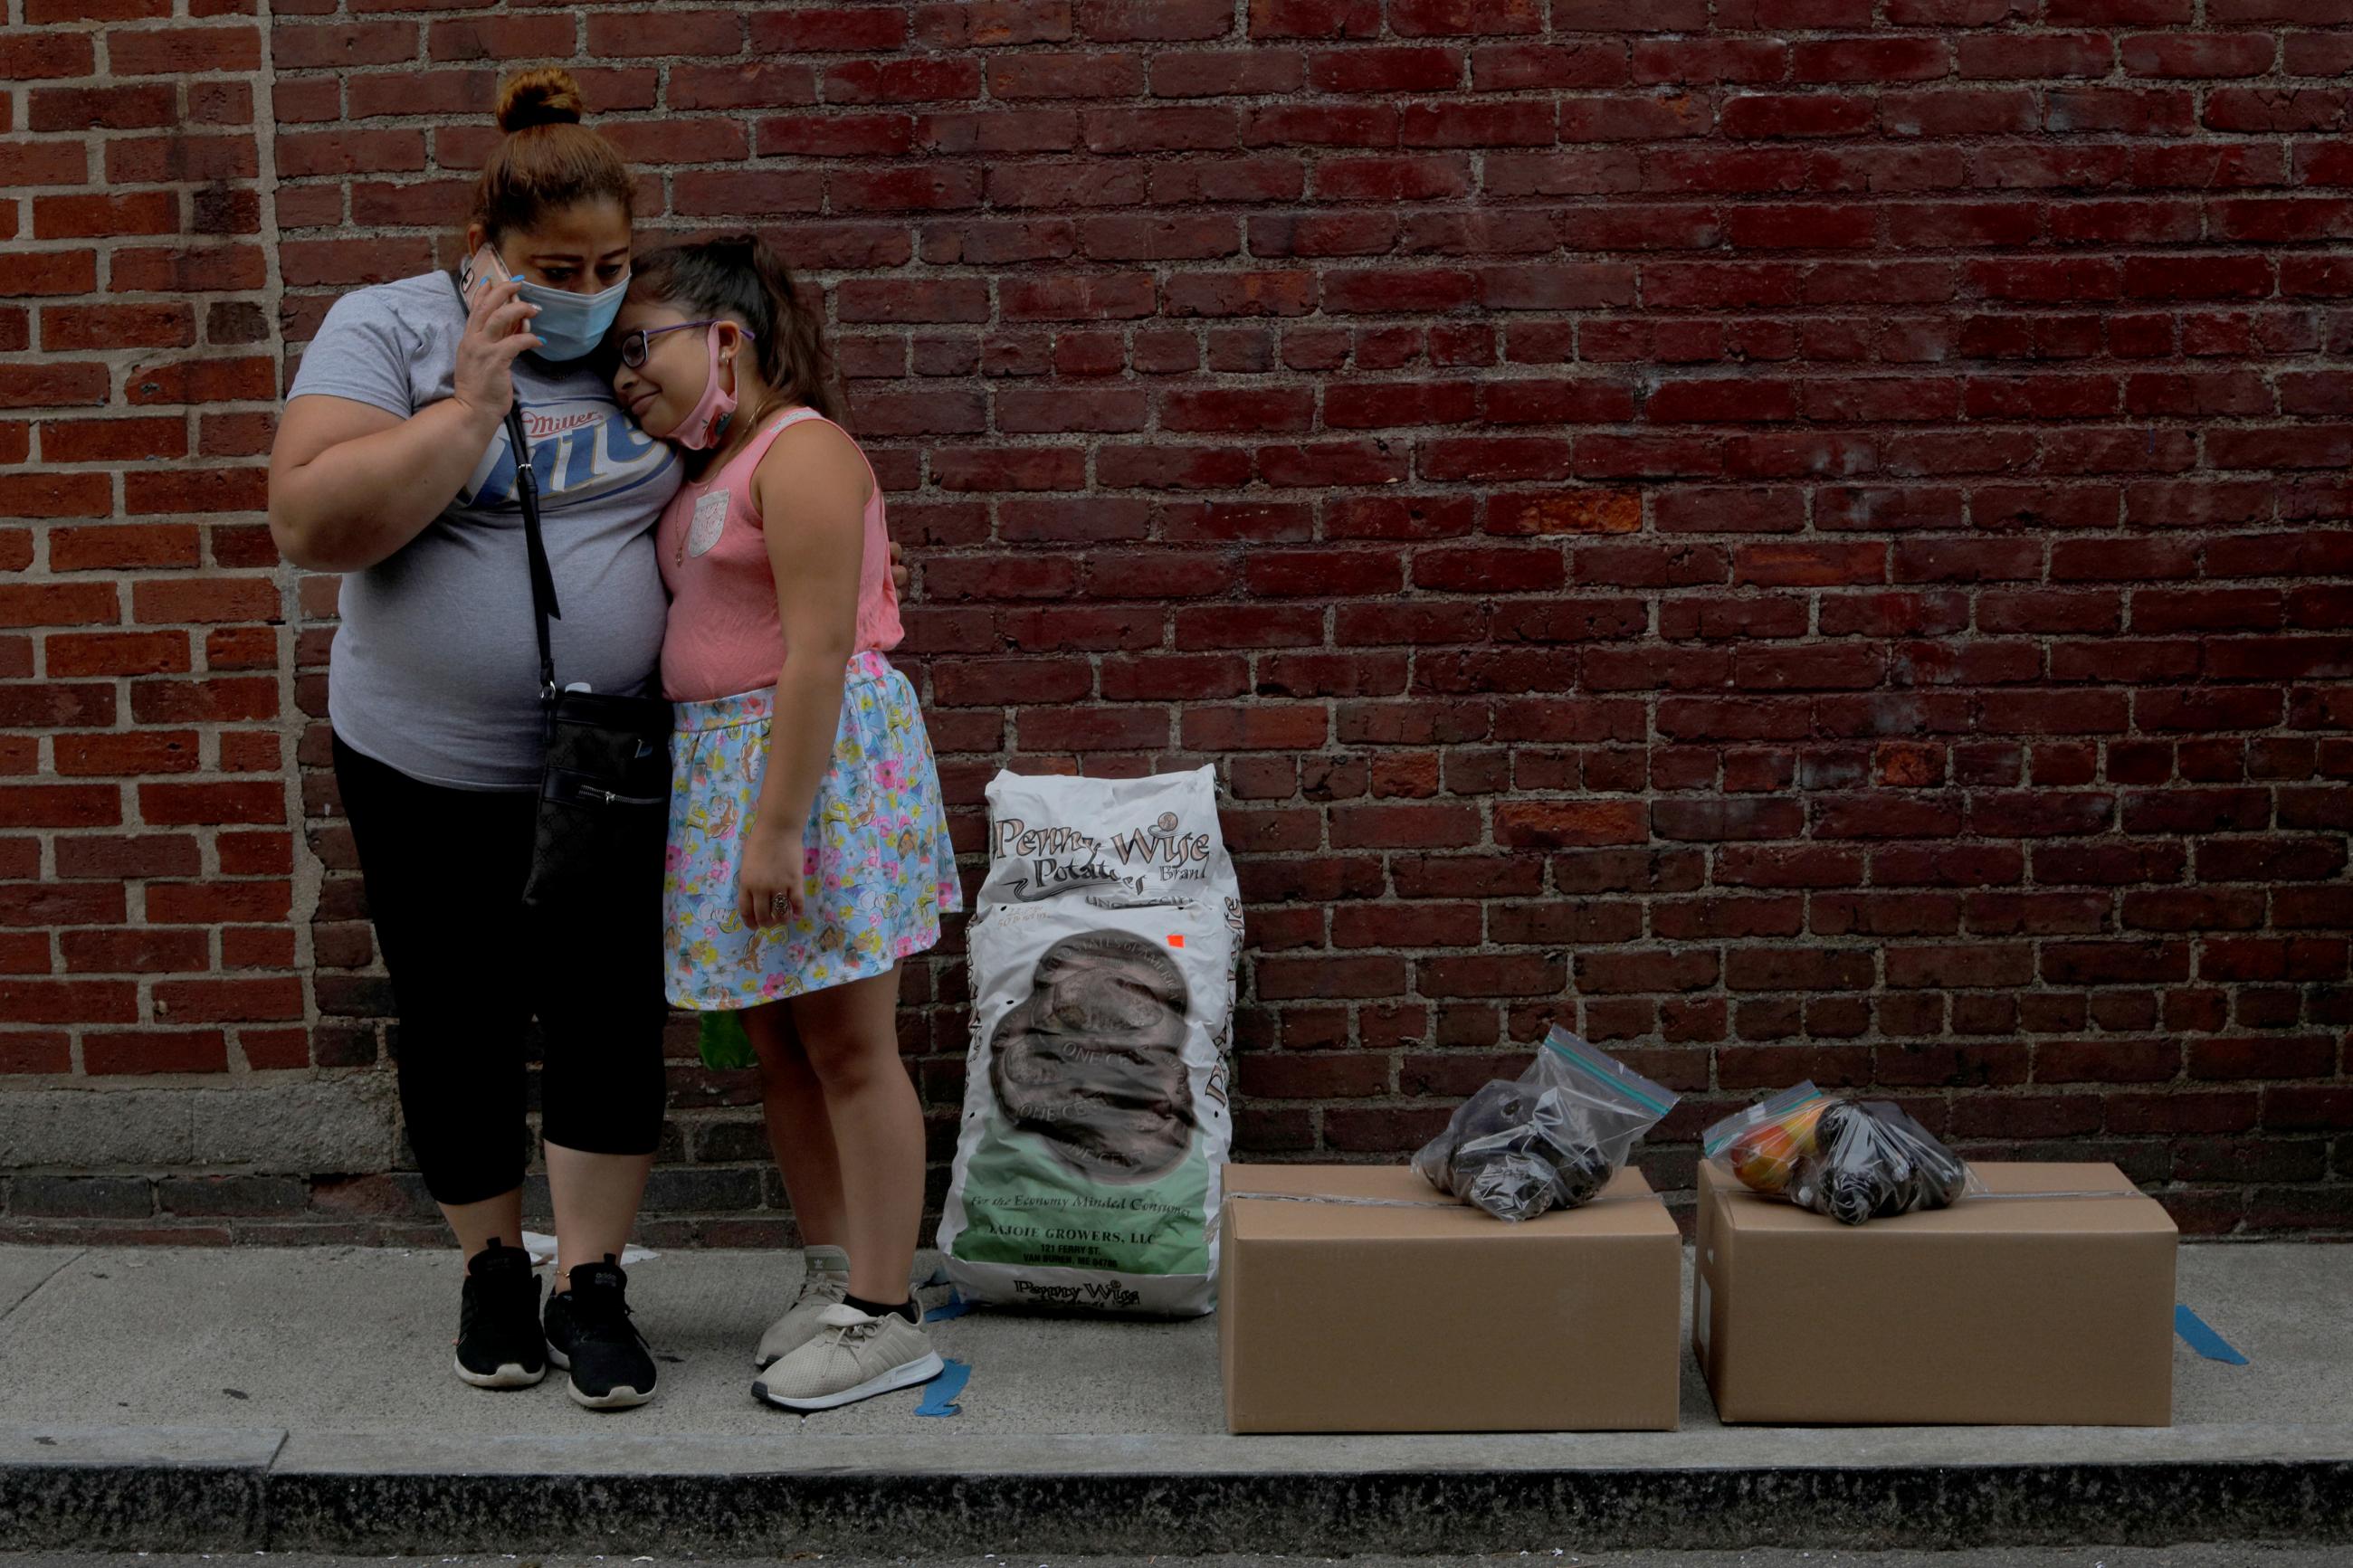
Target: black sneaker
588,1332
498,1341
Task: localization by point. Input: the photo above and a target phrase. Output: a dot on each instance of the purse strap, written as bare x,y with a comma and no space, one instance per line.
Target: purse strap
544,608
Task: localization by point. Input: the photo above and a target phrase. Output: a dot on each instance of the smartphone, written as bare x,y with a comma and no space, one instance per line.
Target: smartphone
483,270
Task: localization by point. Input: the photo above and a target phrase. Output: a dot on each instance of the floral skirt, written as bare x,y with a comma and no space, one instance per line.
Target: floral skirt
880,868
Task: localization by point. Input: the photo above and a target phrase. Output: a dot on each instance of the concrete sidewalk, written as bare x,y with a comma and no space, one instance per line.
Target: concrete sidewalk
302,1399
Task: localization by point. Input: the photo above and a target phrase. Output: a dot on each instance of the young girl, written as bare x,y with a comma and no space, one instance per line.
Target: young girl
808,853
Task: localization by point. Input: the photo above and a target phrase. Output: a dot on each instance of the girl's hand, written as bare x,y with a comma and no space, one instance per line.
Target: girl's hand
769,888
496,330
899,578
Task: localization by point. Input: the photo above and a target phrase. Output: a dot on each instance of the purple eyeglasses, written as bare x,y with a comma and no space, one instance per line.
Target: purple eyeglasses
635,345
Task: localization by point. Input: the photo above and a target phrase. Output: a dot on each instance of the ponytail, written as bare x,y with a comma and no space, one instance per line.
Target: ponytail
547,160
740,275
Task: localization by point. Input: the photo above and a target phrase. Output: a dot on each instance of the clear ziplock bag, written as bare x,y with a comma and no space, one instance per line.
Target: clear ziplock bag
1851,1160
1550,1139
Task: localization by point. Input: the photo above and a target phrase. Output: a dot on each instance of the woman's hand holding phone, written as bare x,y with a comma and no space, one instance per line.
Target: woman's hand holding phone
496,332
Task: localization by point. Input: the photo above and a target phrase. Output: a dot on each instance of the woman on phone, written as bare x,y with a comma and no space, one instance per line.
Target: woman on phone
393,467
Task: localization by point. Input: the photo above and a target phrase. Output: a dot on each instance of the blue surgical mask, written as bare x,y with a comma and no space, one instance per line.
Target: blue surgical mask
569,326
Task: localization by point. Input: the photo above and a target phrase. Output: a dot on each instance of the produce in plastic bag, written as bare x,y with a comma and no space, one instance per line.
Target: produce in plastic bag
1851,1160
1874,1161
1550,1139
1764,1143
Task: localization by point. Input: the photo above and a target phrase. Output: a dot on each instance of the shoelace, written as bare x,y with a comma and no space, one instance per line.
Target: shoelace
858,1334
811,1284
603,1314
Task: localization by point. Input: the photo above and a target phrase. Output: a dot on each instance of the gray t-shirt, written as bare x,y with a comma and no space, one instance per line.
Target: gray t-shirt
435,672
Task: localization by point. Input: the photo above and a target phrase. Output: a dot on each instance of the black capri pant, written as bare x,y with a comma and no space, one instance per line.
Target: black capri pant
471,964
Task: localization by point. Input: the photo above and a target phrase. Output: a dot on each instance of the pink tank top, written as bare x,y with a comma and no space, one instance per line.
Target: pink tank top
723,637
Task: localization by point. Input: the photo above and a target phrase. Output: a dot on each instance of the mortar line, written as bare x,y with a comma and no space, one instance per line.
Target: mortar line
307,873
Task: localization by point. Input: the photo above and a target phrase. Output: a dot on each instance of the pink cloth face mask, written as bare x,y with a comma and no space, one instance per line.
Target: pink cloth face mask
707,420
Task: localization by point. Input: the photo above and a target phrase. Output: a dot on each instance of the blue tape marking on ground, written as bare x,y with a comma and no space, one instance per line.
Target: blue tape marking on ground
955,1306
940,1393
2202,1339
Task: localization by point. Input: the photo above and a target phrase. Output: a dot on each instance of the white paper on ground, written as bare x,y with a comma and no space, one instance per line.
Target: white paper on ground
542,1251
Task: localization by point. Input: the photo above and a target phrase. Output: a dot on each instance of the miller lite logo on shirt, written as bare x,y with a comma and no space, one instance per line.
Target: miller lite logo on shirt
581,451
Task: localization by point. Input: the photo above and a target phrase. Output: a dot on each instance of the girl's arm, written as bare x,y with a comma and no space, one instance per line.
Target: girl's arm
811,490
351,483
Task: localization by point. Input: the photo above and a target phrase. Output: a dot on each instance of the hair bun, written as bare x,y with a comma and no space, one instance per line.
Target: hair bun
545,97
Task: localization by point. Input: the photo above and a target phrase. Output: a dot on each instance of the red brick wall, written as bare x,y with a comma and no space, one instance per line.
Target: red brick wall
1803,537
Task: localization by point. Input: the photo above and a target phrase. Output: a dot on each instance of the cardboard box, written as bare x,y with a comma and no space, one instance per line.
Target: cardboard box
2025,1311
1357,1318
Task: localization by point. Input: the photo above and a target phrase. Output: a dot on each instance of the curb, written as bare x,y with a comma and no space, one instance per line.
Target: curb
186,1489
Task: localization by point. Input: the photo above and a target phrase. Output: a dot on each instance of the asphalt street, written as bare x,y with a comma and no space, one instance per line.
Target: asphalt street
2225,1555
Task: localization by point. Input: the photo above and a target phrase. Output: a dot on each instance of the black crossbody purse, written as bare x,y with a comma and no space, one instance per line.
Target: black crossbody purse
603,789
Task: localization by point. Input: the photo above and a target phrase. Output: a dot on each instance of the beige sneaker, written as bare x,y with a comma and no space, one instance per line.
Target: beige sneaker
853,1357
824,1285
